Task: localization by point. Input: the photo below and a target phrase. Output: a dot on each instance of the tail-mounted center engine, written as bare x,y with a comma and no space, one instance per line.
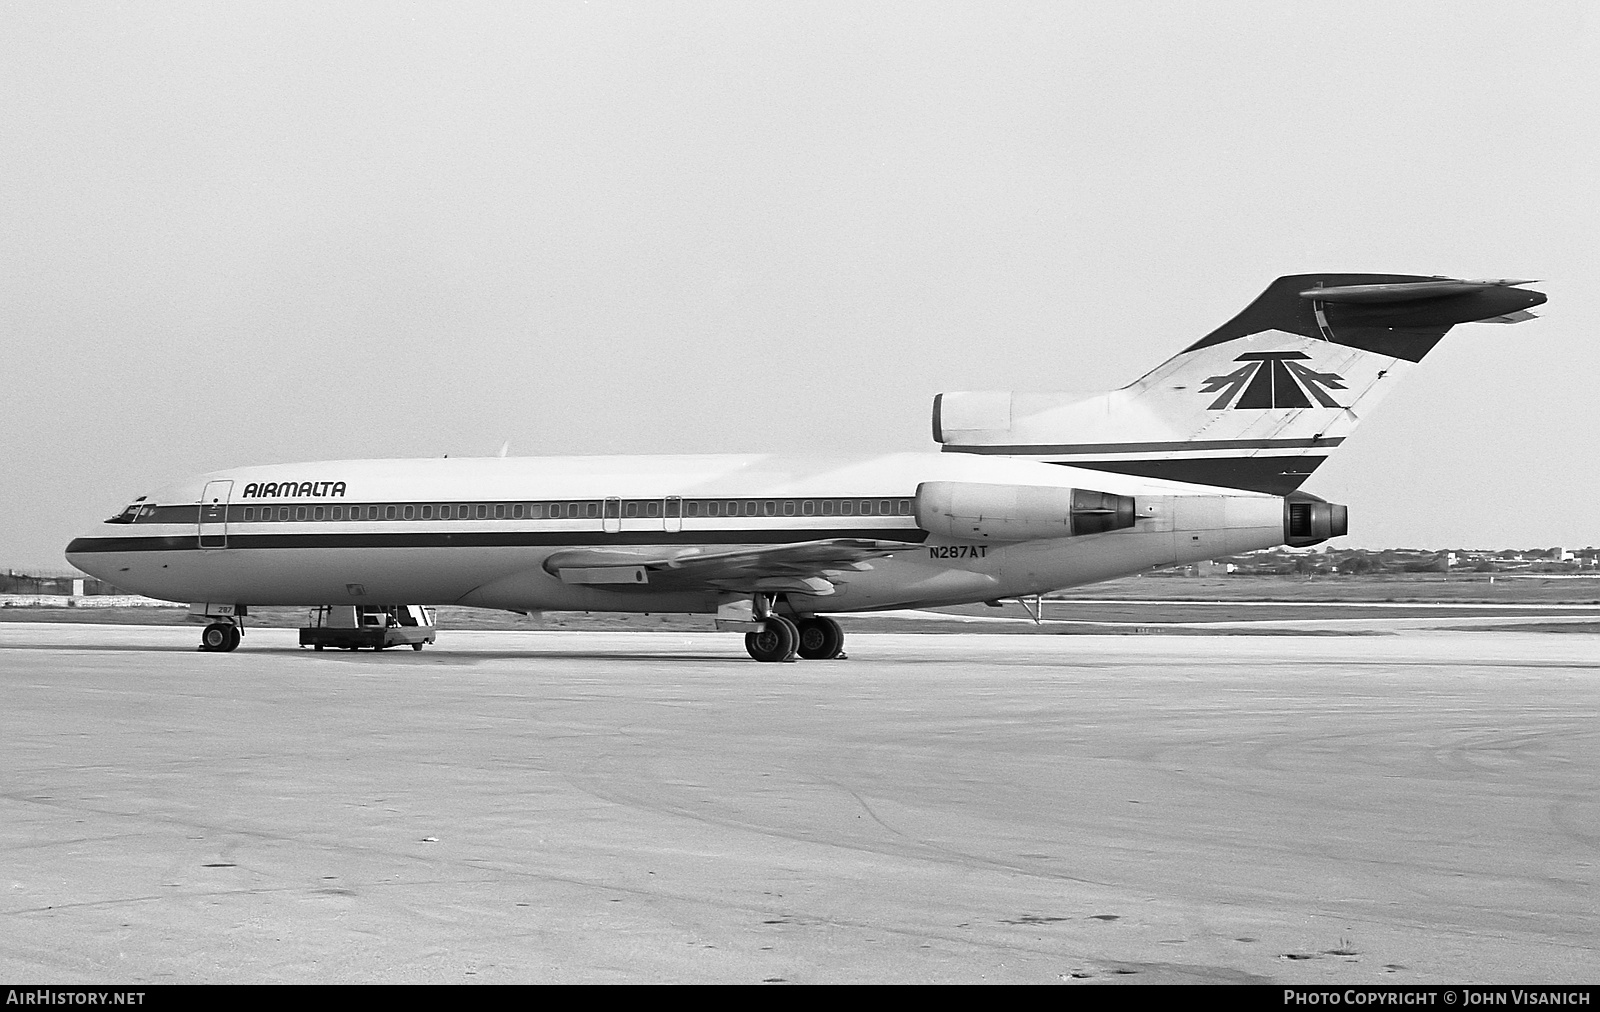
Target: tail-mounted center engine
968,511
1308,520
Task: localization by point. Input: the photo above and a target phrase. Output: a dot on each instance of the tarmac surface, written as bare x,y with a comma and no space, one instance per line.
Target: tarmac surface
575,807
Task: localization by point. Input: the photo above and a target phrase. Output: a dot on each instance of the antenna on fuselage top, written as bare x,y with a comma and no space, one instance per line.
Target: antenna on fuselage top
504,447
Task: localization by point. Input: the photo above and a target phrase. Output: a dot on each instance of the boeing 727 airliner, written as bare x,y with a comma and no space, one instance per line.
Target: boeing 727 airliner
1032,492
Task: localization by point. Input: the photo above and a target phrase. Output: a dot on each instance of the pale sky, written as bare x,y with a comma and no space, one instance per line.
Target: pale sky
254,233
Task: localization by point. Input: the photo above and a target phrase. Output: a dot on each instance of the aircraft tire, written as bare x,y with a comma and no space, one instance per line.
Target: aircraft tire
775,641
821,639
234,637
416,646
794,635
214,638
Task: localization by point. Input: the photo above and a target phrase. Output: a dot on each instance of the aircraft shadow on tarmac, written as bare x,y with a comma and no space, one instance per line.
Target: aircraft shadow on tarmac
445,658
394,656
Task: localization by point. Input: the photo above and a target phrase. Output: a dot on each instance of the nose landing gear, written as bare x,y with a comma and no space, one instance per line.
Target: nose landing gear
220,637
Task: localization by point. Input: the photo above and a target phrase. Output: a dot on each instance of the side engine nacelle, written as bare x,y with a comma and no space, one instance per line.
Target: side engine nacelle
968,511
1308,520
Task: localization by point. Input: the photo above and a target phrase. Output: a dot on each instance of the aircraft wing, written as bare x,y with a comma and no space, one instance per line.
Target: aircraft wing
802,568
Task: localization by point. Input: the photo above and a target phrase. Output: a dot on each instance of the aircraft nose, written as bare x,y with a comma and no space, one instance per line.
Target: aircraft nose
78,555
88,554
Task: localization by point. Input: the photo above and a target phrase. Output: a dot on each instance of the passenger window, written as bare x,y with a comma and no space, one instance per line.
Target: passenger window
674,507
769,508
483,511
536,511
427,511
713,508
866,508
499,511
750,508
827,507
846,508
905,507
691,508
516,512
410,512
652,508
808,508
885,508
317,513
388,512
283,512
338,513
788,507
249,512
630,509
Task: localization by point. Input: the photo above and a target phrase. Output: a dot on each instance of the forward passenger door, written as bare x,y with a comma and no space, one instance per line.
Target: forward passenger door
213,529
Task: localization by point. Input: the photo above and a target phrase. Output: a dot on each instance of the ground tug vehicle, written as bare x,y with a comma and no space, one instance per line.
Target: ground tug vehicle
351,627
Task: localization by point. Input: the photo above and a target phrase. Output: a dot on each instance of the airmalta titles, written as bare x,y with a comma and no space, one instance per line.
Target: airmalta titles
292,489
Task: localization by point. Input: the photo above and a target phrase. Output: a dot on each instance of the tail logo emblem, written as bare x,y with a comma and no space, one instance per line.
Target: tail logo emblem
1273,379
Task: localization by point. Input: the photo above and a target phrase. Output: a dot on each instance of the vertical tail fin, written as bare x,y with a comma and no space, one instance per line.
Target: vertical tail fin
1256,404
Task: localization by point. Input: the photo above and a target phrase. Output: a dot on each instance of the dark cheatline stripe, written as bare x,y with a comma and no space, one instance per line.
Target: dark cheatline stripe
1035,449
493,539
1273,475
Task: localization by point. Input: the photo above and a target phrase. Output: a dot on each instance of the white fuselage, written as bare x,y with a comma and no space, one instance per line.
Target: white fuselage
478,531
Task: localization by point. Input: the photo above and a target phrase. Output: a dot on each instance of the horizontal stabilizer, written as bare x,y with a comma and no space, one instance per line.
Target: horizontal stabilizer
1412,291
1520,316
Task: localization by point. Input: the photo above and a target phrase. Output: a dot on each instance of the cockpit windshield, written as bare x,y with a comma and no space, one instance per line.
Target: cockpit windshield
127,515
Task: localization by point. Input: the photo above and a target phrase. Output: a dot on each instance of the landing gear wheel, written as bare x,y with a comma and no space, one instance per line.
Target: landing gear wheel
216,637
821,639
775,641
235,634
794,634
416,646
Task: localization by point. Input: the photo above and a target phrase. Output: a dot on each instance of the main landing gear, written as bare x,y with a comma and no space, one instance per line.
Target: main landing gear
779,639
220,637
821,639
